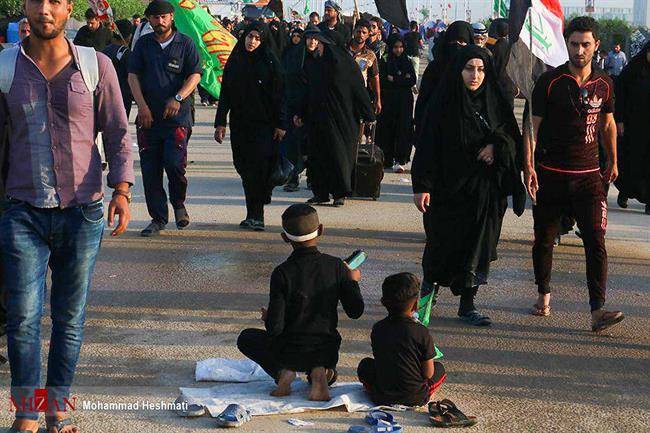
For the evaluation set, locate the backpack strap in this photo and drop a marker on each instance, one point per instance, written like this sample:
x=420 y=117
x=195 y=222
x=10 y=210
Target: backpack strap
x=8 y=58
x=89 y=66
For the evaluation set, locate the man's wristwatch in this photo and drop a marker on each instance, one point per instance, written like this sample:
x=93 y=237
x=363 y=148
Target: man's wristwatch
x=178 y=98
x=126 y=194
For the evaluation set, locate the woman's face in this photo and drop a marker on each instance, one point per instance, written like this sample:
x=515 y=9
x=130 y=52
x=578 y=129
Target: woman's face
x=312 y=44
x=398 y=48
x=253 y=41
x=473 y=74
x=295 y=39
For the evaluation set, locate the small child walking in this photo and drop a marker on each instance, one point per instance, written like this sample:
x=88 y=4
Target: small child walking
x=302 y=316
x=403 y=370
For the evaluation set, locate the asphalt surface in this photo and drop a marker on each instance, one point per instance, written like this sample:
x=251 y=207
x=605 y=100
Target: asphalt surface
x=158 y=305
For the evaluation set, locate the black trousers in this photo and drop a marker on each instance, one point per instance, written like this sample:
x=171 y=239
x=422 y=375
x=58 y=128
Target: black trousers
x=255 y=155
x=257 y=345
x=583 y=197
x=163 y=150
x=367 y=373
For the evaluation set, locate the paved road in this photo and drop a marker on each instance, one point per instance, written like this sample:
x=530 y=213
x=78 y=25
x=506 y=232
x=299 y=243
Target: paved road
x=158 y=305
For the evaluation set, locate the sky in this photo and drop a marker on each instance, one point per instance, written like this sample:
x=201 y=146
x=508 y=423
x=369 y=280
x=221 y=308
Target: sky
x=480 y=8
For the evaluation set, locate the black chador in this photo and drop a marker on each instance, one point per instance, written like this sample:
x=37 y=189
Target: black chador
x=395 y=124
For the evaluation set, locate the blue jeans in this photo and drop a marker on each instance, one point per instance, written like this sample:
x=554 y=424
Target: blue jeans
x=68 y=241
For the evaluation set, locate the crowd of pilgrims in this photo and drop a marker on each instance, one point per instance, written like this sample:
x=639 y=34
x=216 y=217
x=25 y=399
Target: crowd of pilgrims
x=305 y=93
x=312 y=96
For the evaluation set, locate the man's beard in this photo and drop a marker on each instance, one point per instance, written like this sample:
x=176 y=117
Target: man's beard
x=580 y=63
x=37 y=31
x=161 y=30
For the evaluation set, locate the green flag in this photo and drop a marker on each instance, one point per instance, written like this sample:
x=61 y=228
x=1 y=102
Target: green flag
x=213 y=42
x=306 y=11
x=499 y=9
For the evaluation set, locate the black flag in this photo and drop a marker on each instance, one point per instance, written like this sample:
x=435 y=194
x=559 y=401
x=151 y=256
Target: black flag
x=394 y=11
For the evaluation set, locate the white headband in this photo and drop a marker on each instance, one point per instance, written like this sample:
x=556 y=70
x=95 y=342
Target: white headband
x=303 y=238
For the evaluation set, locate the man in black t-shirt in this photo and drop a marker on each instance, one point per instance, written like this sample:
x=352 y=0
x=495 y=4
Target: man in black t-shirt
x=403 y=370
x=571 y=105
x=93 y=34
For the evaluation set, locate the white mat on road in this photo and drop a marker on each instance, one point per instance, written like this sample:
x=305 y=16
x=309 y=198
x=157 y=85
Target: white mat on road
x=254 y=395
x=229 y=370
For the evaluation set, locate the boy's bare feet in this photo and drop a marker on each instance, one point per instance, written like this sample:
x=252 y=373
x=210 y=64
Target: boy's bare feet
x=284 y=383
x=320 y=391
x=25 y=424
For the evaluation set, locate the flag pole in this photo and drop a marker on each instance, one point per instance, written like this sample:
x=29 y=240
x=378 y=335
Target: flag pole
x=531 y=133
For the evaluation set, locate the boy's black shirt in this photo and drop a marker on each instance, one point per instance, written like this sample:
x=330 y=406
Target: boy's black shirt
x=305 y=292
x=400 y=345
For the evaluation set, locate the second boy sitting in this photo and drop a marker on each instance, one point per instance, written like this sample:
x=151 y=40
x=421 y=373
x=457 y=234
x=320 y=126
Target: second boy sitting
x=302 y=315
x=403 y=370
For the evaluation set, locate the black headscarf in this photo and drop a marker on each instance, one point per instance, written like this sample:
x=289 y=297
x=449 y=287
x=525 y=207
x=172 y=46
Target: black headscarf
x=445 y=50
x=459 y=124
x=394 y=63
x=245 y=68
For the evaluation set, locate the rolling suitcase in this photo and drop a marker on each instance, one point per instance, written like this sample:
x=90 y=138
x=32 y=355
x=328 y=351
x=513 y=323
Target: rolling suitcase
x=369 y=168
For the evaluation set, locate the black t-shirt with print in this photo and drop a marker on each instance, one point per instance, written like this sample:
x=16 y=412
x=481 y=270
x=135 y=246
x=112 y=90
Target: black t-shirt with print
x=567 y=139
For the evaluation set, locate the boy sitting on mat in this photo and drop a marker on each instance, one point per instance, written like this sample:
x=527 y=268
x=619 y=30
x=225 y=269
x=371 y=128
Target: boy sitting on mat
x=302 y=315
x=403 y=370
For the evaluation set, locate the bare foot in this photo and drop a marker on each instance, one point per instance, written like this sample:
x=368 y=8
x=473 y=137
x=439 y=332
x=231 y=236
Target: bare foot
x=68 y=427
x=25 y=424
x=320 y=391
x=284 y=383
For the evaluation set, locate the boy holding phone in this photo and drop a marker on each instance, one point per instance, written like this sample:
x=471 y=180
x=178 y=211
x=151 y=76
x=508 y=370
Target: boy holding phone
x=302 y=315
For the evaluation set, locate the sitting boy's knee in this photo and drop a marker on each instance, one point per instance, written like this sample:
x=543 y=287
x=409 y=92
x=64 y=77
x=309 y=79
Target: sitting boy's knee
x=247 y=338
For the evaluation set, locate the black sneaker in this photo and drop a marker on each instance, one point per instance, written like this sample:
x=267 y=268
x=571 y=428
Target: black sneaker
x=647 y=209
x=182 y=218
x=318 y=200
x=338 y=202
x=257 y=225
x=246 y=224
x=621 y=201
x=473 y=317
x=152 y=229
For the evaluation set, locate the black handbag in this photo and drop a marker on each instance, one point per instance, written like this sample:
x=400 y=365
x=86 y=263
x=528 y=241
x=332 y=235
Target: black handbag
x=282 y=171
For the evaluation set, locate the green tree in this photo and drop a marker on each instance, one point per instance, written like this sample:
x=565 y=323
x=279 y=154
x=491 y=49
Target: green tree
x=614 y=31
x=121 y=8
x=11 y=8
x=425 y=12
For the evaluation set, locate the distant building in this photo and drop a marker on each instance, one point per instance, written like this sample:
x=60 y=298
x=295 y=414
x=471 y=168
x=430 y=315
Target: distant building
x=626 y=14
x=641 y=13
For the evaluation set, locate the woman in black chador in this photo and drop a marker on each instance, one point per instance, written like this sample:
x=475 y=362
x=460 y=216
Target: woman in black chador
x=252 y=91
x=395 y=124
x=336 y=101
x=467 y=161
x=632 y=115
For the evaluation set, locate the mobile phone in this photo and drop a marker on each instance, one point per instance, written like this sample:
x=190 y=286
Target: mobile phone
x=356 y=259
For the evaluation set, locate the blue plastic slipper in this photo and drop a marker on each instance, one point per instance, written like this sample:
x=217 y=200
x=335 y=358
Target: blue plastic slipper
x=376 y=415
x=233 y=416
x=381 y=427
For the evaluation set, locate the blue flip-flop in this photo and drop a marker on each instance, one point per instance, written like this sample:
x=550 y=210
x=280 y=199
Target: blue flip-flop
x=376 y=415
x=233 y=416
x=381 y=427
